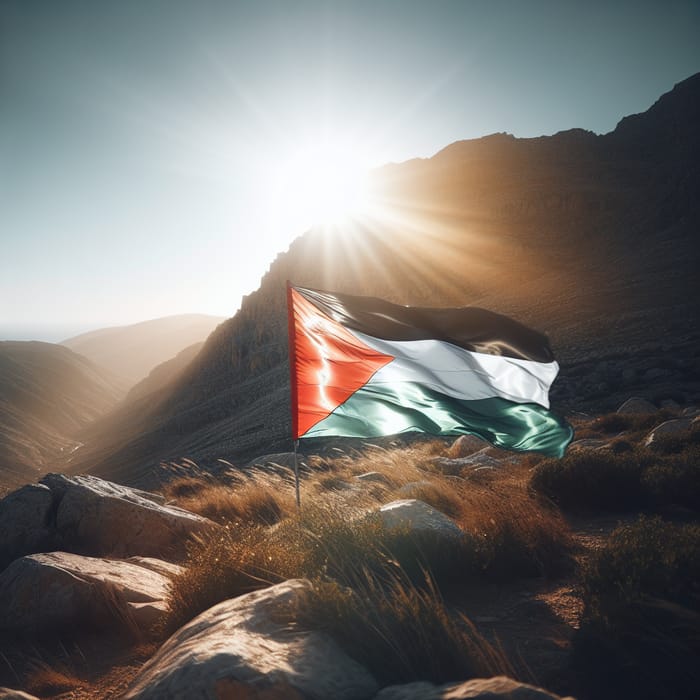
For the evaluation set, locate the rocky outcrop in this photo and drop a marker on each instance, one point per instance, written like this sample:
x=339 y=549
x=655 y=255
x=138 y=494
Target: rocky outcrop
x=88 y=515
x=498 y=688
x=246 y=647
x=66 y=591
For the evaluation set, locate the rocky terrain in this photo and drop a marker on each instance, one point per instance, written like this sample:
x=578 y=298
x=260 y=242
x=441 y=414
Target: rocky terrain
x=87 y=566
x=590 y=238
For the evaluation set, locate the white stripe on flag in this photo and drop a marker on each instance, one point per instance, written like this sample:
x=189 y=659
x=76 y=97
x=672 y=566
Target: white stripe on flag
x=461 y=373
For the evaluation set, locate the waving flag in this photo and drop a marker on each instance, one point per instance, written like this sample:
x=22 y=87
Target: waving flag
x=363 y=367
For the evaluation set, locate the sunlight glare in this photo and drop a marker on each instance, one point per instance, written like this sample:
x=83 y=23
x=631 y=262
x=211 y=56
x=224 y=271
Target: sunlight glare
x=324 y=184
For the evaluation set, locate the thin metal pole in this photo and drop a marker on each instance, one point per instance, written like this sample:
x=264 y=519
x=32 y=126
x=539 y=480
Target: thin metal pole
x=296 y=475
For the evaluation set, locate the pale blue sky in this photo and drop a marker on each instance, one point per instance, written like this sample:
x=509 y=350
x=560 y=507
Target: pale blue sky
x=138 y=138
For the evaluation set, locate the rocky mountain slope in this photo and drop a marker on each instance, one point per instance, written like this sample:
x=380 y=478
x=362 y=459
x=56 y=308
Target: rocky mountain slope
x=590 y=238
x=47 y=394
x=133 y=351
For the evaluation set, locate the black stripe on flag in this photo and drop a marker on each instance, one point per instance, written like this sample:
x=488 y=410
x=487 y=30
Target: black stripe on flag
x=471 y=328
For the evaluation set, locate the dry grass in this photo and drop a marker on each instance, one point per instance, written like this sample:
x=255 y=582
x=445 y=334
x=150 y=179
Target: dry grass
x=255 y=500
x=44 y=680
x=401 y=632
x=508 y=532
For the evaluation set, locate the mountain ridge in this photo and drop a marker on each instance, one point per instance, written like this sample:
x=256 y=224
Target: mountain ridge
x=133 y=350
x=590 y=238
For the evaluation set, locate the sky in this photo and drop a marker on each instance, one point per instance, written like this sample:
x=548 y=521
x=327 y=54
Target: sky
x=150 y=149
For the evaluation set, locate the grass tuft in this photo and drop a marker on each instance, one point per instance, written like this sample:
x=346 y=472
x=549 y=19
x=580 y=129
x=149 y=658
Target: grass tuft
x=401 y=632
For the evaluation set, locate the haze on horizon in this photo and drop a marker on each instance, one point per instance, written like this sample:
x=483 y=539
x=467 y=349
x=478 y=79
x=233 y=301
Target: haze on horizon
x=140 y=143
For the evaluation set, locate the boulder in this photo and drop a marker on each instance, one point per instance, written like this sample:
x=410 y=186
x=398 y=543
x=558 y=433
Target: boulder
x=101 y=518
x=465 y=445
x=638 y=405
x=246 y=648
x=417 y=517
x=497 y=688
x=25 y=522
x=59 y=590
x=677 y=426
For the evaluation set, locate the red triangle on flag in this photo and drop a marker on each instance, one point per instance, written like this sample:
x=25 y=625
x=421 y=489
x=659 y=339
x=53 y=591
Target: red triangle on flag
x=328 y=363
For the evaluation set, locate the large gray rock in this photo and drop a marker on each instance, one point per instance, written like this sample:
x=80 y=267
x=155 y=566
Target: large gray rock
x=677 y=426
x=59 y=590
x=637 y=405
x=92 y=516
x=497 y=688
x=417 y=517
x=247 y=648
x=101 y=518
x=25 y=522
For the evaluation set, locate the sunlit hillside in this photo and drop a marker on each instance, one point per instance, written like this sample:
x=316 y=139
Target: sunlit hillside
x=591 y=239
x=47 y=394
x=133 y=351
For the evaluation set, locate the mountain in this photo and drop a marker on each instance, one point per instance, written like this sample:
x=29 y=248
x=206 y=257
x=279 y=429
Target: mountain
x=590 y=238
x=47 y=394
x=133 y=351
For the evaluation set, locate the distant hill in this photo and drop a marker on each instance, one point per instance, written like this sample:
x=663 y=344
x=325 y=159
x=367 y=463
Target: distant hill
x=47 y=394
x=163 y=374
x=133 y=351
x=590 y=238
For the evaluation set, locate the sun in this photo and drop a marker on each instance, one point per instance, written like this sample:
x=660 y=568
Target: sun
x=321 y=184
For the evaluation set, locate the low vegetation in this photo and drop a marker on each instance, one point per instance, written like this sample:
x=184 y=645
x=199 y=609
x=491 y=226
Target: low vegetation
x=401 y=632
x=640 y=633
x=625 y=477
x=377 y=588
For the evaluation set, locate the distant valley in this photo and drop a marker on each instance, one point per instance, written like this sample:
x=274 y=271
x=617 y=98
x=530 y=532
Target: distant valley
x=49 y=393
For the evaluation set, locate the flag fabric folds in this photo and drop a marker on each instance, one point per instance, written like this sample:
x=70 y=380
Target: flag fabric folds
x=364 y=367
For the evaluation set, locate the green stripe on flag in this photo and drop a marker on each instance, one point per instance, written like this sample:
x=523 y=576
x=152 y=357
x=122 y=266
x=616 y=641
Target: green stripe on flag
x=382 y=409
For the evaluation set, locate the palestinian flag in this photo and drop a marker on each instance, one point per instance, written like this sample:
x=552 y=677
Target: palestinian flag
x=363 y=367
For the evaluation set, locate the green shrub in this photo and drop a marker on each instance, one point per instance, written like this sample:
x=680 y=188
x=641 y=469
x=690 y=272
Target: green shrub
x=591 y=480
x=625 y=477
x=640 y=632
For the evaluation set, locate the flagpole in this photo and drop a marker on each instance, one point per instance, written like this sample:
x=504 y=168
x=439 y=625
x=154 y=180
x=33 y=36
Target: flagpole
x=293 y=388
x=296 y=475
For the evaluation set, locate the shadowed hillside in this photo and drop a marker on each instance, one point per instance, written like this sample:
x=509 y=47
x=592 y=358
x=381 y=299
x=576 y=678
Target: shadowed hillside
x=47 y=393
x=133 y=351
x=592 y=239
